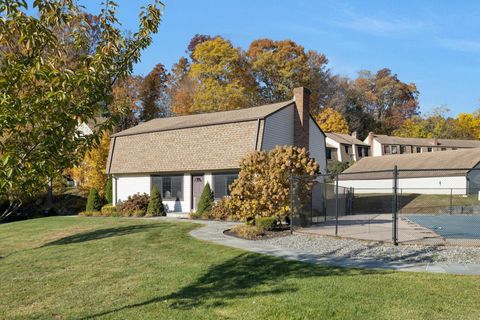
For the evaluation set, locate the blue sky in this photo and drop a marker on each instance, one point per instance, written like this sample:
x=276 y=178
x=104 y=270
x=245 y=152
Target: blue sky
x=435 y=44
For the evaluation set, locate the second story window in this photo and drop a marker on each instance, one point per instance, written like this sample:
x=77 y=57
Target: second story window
x=329 y=154
x=402 y=149
x=419 y=149
x=429 y=149
x=346 y=149
x=360 y=151
x=365 y=153
x=394 y=150
x=386 y=149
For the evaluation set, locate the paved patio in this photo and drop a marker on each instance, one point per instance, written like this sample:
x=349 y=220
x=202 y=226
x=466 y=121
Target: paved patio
x=378 y=227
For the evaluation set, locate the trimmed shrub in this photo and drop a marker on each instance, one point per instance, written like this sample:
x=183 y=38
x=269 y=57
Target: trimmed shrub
x=263 y=184
x=138 y=213
x=247 y=231
x=109 y=210
x=155 y=206
x=108 y=191
x=266 y=223
x=86 y=214
x=134 y=205
x=94 y=202
x=206 y=200
x=221 y=210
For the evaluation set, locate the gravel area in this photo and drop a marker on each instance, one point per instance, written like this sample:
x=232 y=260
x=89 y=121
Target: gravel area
x=362 y=250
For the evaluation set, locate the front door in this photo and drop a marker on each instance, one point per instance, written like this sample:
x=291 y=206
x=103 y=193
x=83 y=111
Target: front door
x=197 y=188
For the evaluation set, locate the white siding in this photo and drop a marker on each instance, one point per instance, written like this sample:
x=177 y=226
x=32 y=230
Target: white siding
x=337 y=145
x=377 y=149
x=130 y=185
x=436 y=185
x=278 y=129
x=317 y=146
x=127 y=185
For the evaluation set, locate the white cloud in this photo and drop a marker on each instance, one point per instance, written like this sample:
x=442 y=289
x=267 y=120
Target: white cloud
x=377 y=26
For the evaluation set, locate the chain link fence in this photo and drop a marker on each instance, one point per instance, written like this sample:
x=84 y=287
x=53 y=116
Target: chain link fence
x=428 y=206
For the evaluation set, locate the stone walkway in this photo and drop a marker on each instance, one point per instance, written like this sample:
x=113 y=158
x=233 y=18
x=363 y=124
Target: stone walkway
x=212 y=231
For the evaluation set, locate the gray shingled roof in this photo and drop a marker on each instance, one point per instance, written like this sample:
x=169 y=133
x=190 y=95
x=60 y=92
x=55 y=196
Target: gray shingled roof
x=205 y=119
x=210 y=141
x=427 y=142
x=345 y=138
x=431 y=164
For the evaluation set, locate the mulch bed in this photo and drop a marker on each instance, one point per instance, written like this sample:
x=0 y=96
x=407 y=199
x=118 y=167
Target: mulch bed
x=265 y=235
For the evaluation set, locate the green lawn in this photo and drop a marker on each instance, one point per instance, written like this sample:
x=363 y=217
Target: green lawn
x=89 y=268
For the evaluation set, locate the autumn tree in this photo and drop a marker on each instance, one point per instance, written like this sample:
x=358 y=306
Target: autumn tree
x=278 y=67
x=125 y=101
x=195 y=41
x=330 y=120
x=222 y=78
x=388 y=99
x=153 y=95
x=181 y=88
x=263 y=184
x=91 y=172
x=44 y=96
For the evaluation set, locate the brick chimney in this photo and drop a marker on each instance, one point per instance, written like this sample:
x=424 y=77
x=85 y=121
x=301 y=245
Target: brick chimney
x=301 y=121
x=371 y=137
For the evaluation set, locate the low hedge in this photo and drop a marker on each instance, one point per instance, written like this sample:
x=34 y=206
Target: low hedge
x=266 y=223
x=109 y=210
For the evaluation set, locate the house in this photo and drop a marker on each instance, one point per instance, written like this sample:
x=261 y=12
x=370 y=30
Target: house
x=453 y=171
x=181 y=154
x=345 y=148
x=383 y=145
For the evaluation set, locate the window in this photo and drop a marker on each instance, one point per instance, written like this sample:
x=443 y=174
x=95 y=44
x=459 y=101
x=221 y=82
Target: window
x=171 y=187
x=386 y=149
x=444 y=149
x=359 y=151
x=365 y=153
x=429 y=149
x=402 y=149
x=419 y=149
x=329 y=154
x=394 y=150
x=221 y=182
x=346 y=148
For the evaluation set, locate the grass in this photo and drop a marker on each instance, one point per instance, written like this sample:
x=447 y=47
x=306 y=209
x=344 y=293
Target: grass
x=107 y=268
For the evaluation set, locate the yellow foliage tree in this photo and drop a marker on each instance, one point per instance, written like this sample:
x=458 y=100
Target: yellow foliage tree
x=221 y=76
x=330 y=120
x=263 y=185
x=91 y=172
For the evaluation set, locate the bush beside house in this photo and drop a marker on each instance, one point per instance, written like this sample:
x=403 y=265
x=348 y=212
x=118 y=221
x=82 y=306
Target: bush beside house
x=155 y=206
x=94 y=202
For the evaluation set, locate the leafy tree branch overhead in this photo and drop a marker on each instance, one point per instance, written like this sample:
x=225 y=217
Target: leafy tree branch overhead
x=54 y=75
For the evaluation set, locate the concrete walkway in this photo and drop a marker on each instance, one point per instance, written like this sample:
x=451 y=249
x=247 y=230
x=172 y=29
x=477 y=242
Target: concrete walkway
x=212 y=231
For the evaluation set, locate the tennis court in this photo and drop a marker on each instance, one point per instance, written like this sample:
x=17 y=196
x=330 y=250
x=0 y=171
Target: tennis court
x=450 y=226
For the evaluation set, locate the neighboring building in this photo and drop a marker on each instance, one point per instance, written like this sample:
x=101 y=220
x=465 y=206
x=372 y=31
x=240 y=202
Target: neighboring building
x=383 y=145
x=92 y=125
x=345 y=148
x=180 y=154
x=432 y=173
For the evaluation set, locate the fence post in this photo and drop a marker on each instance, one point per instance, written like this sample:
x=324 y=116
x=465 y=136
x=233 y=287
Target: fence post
x=395 y=207
x=336 y=205
x=291 y=203
x=451 y=201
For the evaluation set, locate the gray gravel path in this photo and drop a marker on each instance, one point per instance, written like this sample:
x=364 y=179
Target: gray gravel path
x=362 y=250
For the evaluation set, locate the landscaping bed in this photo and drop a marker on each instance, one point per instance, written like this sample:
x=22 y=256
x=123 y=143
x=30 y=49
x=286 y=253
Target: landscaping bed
x=260 y=235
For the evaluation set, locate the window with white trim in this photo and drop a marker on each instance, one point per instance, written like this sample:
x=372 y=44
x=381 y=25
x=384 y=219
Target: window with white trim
x=171 y=187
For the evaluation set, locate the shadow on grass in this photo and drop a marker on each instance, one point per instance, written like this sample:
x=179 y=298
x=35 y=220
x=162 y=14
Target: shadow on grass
x=101 y=234
x=245 y=276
